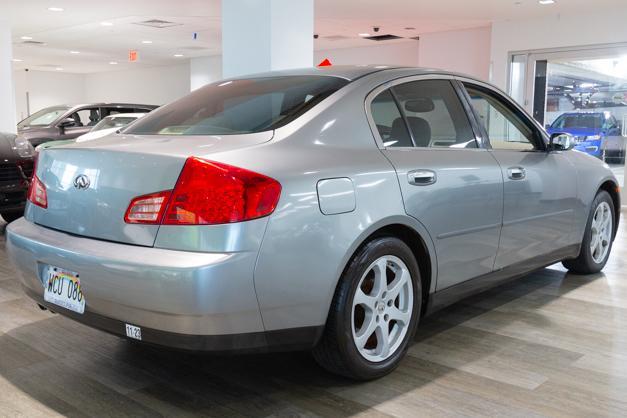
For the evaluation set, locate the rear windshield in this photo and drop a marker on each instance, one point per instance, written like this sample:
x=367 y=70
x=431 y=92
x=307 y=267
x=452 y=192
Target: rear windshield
x=239 y=106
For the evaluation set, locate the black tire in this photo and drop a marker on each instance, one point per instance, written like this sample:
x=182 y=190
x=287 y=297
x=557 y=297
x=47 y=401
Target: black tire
x=336 y=351
x=11 y=216
x=584 y=263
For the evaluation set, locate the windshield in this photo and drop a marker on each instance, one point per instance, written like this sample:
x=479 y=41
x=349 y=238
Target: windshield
x=44 y=117
x=582 y=121
x=113 y=122
x=239 y=106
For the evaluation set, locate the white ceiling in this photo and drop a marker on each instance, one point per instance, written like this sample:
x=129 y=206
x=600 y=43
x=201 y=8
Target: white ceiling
x=78 y=27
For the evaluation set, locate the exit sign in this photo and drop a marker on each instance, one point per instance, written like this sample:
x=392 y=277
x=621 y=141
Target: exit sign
x=132 y=55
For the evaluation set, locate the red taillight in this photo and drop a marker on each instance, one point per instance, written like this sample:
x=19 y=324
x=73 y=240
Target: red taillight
x=147 y=209
x=209 y=193
x=37 y=193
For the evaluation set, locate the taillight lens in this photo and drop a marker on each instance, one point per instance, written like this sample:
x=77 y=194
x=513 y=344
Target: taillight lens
x=37 y=193
x=147 y=209
x=208 y=193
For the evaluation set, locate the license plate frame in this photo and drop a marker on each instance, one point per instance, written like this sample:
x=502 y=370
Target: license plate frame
x=62 y=288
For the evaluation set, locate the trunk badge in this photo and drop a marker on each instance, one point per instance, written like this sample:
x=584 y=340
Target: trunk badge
x=82 y=182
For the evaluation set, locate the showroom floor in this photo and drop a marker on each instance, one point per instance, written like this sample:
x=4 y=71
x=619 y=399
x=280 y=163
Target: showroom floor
x=549 y=344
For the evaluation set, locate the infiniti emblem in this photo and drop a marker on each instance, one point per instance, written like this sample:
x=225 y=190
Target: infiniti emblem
x=82 y=182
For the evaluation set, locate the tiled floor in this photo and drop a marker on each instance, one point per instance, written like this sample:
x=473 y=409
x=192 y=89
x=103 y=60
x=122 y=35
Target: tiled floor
x=550 y=344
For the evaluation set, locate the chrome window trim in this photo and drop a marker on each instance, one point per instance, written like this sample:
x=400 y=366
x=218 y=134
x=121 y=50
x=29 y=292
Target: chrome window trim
x=481 y=143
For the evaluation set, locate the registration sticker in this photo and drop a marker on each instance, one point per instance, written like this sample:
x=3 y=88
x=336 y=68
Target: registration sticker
x=133 y=332
x=63 y=288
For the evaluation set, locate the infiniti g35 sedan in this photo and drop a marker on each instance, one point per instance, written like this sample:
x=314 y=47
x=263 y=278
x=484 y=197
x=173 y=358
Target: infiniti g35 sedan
x=324 y=209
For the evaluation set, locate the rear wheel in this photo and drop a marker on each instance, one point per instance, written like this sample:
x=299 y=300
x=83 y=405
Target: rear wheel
x=597 y=239
x=375 y=312
x=11 y=216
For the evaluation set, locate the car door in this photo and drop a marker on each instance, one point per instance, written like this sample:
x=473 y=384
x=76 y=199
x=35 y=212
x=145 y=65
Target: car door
x=449 y=182
x=540 y=187
x=84 y=119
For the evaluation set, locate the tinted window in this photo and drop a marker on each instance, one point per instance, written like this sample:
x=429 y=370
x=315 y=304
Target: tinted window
x=390 y=124
x=506 y=129
x=239 y=106
x=435 y=114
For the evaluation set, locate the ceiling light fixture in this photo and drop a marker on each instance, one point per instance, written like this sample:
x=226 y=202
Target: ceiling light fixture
x=75 y=52
x=26 y=38
x=546 y=2
x=179 y=55
x=113 y=62
x=146 y=42
x=364 y=35
x=106 y=23
x=59 y=69
x=56 y=9
x=17 y=60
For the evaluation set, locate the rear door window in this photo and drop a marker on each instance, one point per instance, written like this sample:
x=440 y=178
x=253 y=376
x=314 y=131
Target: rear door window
x=239 y=106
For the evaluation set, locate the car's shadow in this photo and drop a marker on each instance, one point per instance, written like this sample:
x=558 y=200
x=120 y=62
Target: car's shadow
x=75 y=370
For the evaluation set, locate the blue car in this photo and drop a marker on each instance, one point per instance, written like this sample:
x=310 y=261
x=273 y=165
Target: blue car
x=588 y=128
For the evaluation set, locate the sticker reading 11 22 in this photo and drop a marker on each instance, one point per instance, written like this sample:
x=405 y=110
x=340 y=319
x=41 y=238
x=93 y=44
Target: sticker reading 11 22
x=133 y=332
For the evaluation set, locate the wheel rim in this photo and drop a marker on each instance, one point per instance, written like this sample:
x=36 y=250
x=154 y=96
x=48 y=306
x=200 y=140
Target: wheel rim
x=601 y=229
x=382 y=308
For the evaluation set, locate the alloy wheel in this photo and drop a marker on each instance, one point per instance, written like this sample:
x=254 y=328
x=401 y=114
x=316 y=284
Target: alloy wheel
x=601 y=232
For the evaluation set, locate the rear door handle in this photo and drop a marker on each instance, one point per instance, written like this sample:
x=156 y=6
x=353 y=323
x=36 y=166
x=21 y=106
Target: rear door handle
x=516 y=173
x=421 y=177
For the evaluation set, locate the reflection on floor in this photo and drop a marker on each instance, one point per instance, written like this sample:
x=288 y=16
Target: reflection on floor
x=549 y=344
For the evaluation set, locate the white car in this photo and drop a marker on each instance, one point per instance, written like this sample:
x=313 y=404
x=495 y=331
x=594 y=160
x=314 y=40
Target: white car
x=109 y=125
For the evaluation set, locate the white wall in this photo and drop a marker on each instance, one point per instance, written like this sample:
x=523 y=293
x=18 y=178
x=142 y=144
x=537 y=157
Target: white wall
x=155 y=85
x=204 y=70
x=464 y=51
x=553 y=32
x=405 y=53
x=46 y=88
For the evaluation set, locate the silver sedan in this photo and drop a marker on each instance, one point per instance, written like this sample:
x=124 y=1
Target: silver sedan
x=324 y=209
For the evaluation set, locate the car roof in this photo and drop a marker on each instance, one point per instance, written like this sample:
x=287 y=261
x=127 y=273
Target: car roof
x=72 y=106
x=350 y=72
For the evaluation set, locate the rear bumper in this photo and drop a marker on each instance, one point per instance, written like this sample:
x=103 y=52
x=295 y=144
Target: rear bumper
x=200 y=301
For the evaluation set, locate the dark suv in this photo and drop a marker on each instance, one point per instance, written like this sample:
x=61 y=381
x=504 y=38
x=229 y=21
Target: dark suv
x=16 y=170
x=69 y=122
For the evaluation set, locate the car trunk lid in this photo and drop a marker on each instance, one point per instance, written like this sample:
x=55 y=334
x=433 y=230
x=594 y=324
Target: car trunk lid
x=117 y=169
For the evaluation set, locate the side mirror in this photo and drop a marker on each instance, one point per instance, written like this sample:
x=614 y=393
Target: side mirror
x=561 y=142
x=67 y=123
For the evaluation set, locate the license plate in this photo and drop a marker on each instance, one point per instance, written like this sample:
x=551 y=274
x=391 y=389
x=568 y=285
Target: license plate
x=133 y=332
x=63 y=288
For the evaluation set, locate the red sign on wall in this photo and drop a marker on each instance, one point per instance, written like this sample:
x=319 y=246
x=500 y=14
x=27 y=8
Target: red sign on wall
x=132 y=55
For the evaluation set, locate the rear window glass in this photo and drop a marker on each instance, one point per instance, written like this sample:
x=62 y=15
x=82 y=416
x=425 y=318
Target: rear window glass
x=239 y=106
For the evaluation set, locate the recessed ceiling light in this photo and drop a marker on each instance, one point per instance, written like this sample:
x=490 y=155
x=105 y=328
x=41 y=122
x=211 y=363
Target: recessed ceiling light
x=59 y=69
x=113 y=62
x=179 y=55
x=106 y=23
x=75 y=52
x=363 y=35
x=545 y=2
x=146 y=42
x=17 y=60
x=56 y=9
x=26 y=38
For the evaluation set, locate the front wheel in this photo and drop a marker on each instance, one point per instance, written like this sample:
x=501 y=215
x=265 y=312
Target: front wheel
x=597 y=239
x=374 y=313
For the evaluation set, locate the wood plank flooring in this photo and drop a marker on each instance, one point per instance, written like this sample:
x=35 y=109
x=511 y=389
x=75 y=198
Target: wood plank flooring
x=550 y=344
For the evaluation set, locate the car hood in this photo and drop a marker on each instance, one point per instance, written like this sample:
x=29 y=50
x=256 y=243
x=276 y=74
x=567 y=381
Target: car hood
x=6 y=148
x=576 y=131
x=32 y=132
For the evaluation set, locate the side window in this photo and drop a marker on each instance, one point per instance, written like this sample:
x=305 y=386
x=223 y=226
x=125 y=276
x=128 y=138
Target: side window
x=506 y=129
x=389 y=121
x=86 y=117
x=430 y=116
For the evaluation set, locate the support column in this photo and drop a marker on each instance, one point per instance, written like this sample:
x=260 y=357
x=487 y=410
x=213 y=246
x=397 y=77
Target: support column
x=7 y=95
x=266 y=35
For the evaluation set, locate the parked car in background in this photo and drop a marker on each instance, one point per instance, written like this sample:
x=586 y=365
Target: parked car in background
x=16 y=170
x=69 y=122
x=325 y=208
x=109 y=125
x=590 y=130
